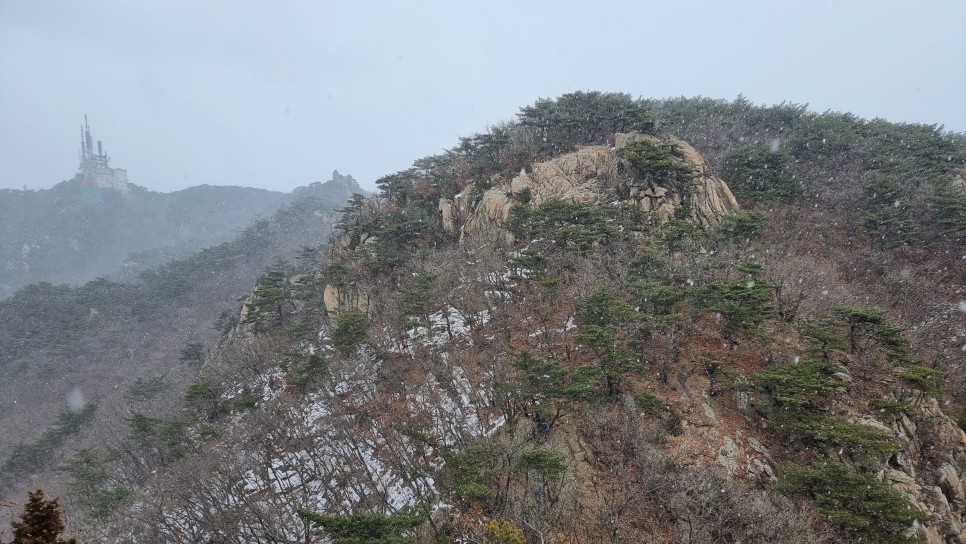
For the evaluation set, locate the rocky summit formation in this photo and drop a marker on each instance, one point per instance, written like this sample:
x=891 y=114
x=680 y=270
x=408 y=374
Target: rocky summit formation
x=590 y=176
x=594 y=176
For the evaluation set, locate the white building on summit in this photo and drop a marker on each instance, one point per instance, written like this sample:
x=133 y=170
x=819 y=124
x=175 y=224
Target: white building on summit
x=95 y=169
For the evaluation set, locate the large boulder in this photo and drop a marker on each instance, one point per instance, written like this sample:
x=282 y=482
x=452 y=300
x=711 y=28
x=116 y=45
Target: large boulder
x=587 y=176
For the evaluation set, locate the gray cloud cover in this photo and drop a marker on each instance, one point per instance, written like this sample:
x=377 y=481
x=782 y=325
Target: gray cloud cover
x=278 y=94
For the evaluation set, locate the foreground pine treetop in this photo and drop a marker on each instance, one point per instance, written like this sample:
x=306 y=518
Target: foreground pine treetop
x=40 y=523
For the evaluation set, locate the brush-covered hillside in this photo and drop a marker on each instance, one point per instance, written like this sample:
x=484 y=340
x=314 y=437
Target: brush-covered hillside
x=609 y=320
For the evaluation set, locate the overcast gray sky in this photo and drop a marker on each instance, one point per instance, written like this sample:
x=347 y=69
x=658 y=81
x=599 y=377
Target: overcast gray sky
x=278 y=94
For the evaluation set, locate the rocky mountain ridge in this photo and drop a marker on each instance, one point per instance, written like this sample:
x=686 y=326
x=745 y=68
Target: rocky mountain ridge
x=557 y=332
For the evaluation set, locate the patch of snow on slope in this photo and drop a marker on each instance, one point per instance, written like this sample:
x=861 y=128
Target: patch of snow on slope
x=446 y=325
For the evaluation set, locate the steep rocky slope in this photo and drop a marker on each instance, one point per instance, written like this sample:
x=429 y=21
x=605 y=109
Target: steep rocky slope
x=567 y=330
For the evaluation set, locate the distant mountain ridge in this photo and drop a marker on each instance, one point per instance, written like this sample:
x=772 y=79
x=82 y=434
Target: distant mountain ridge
x=72 y=233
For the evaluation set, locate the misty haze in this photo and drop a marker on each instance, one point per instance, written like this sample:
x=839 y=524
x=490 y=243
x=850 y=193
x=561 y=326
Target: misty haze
x=482 y=272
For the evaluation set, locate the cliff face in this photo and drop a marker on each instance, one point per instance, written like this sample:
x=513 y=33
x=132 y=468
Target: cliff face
x=931 y=468
x=928 y=468
x=344 y=298
x=959 y=182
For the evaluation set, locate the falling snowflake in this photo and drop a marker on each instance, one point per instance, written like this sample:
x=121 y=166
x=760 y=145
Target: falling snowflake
x=75 y=400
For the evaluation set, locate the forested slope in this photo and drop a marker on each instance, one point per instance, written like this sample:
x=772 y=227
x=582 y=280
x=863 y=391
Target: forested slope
x=76 y=361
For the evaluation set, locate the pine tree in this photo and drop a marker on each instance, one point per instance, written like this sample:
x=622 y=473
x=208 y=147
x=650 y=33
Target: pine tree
x=40 y=523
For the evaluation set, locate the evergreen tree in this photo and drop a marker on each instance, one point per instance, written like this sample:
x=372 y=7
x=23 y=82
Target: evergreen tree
x=350 y=330
x=580 y=118
x=949 y=203
x=416 y=301
x=271 y=296
x=761 y=174
x=41 y=522
x=396 y=528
